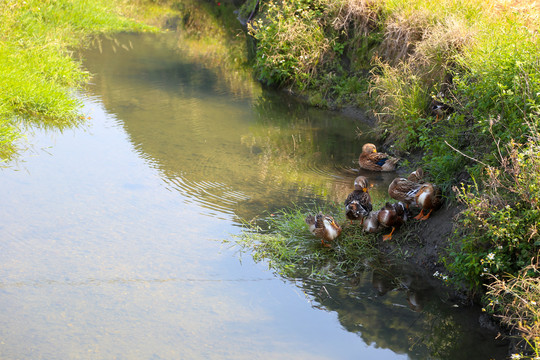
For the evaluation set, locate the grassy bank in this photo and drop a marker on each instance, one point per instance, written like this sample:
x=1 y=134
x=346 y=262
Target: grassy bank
x=38 y=75
x=290 y=251
x=399 y=59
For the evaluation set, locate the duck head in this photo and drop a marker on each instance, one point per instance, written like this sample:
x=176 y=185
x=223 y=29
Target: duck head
x=369 y=148
x=361 y=183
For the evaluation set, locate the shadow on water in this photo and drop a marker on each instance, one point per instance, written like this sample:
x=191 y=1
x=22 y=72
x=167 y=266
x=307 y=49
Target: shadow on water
x=241 y=154
x=398 y=308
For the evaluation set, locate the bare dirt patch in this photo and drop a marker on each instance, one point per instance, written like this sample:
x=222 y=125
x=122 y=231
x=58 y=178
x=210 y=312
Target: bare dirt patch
x=423 y=243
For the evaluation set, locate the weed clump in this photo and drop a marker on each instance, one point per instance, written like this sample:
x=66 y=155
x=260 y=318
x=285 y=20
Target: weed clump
x=514 y=299
x=284 y=242
x=290 y=42
x=500 y=222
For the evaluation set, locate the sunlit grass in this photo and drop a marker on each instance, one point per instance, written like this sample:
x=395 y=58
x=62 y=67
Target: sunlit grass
x=283 y=240
x=38 y=75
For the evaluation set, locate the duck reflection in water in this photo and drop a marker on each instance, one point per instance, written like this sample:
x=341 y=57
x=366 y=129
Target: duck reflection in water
x=415 y=291
x=382 y=283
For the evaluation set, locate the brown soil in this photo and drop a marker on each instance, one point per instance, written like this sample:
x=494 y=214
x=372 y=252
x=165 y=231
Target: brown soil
x=423 y=243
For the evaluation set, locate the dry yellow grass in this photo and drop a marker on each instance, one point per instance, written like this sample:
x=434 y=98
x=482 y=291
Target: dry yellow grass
x=529 y=10
x=403 y=32
x=361 y=15
x=521 y=296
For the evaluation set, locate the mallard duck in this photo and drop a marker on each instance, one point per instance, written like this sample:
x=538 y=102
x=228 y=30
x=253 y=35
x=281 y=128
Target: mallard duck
x=429 y=198
x=404 y=190
x=439 y=109
x=416 y=176
x=324 y=227
x=371 y=222
x=393 y=216
x=358 y=203
x=372 y=160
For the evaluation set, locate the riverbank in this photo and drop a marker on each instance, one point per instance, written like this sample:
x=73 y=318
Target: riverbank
x=455 y=83
x=400 y=60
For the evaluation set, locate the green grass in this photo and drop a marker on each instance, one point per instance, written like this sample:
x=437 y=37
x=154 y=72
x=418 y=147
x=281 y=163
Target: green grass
x=284 y=242
x=38 y=75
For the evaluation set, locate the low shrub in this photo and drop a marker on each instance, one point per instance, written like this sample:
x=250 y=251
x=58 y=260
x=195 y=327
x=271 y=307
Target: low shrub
x=515 y=300
x=291 y=43
x=499 y=233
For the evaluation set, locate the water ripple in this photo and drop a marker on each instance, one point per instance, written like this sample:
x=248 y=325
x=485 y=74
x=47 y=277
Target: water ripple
x=218 y=197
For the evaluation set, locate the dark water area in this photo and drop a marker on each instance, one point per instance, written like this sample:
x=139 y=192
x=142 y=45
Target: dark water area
x=112 y=234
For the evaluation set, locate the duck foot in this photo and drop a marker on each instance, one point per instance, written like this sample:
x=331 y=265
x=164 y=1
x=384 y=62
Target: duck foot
x=389 y=236
x=423 y=217
x=325 y=244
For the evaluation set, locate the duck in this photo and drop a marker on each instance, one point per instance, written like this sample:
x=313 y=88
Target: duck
x=393 y=216
x=404 y=190
x=372 y=160
x=428 y=198
x=416 y=176
x=358 y=203
x=439 y=109
x=324 y=227
x=371 y=222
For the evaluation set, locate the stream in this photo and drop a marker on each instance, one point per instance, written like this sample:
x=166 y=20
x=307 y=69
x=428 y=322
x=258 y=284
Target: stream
x=112 y=234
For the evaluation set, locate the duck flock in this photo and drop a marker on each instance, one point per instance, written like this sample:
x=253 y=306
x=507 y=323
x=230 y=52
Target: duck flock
x=408 y=192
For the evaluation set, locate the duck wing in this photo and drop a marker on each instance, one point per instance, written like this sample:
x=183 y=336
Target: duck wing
x=404 y=190
x=378 y=158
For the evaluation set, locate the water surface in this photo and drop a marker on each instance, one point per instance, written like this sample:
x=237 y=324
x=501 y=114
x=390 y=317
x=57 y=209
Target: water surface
x=111 y=234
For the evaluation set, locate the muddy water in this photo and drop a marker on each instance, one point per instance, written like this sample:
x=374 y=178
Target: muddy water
x=111 y=235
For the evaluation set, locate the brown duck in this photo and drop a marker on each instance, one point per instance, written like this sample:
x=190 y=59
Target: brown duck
x=324 y=227
x=404 y=190
x=358 y=203
x=416 y=176
x=428 y=198
x=371 y=222
x=372 y=160
x=392 y=216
